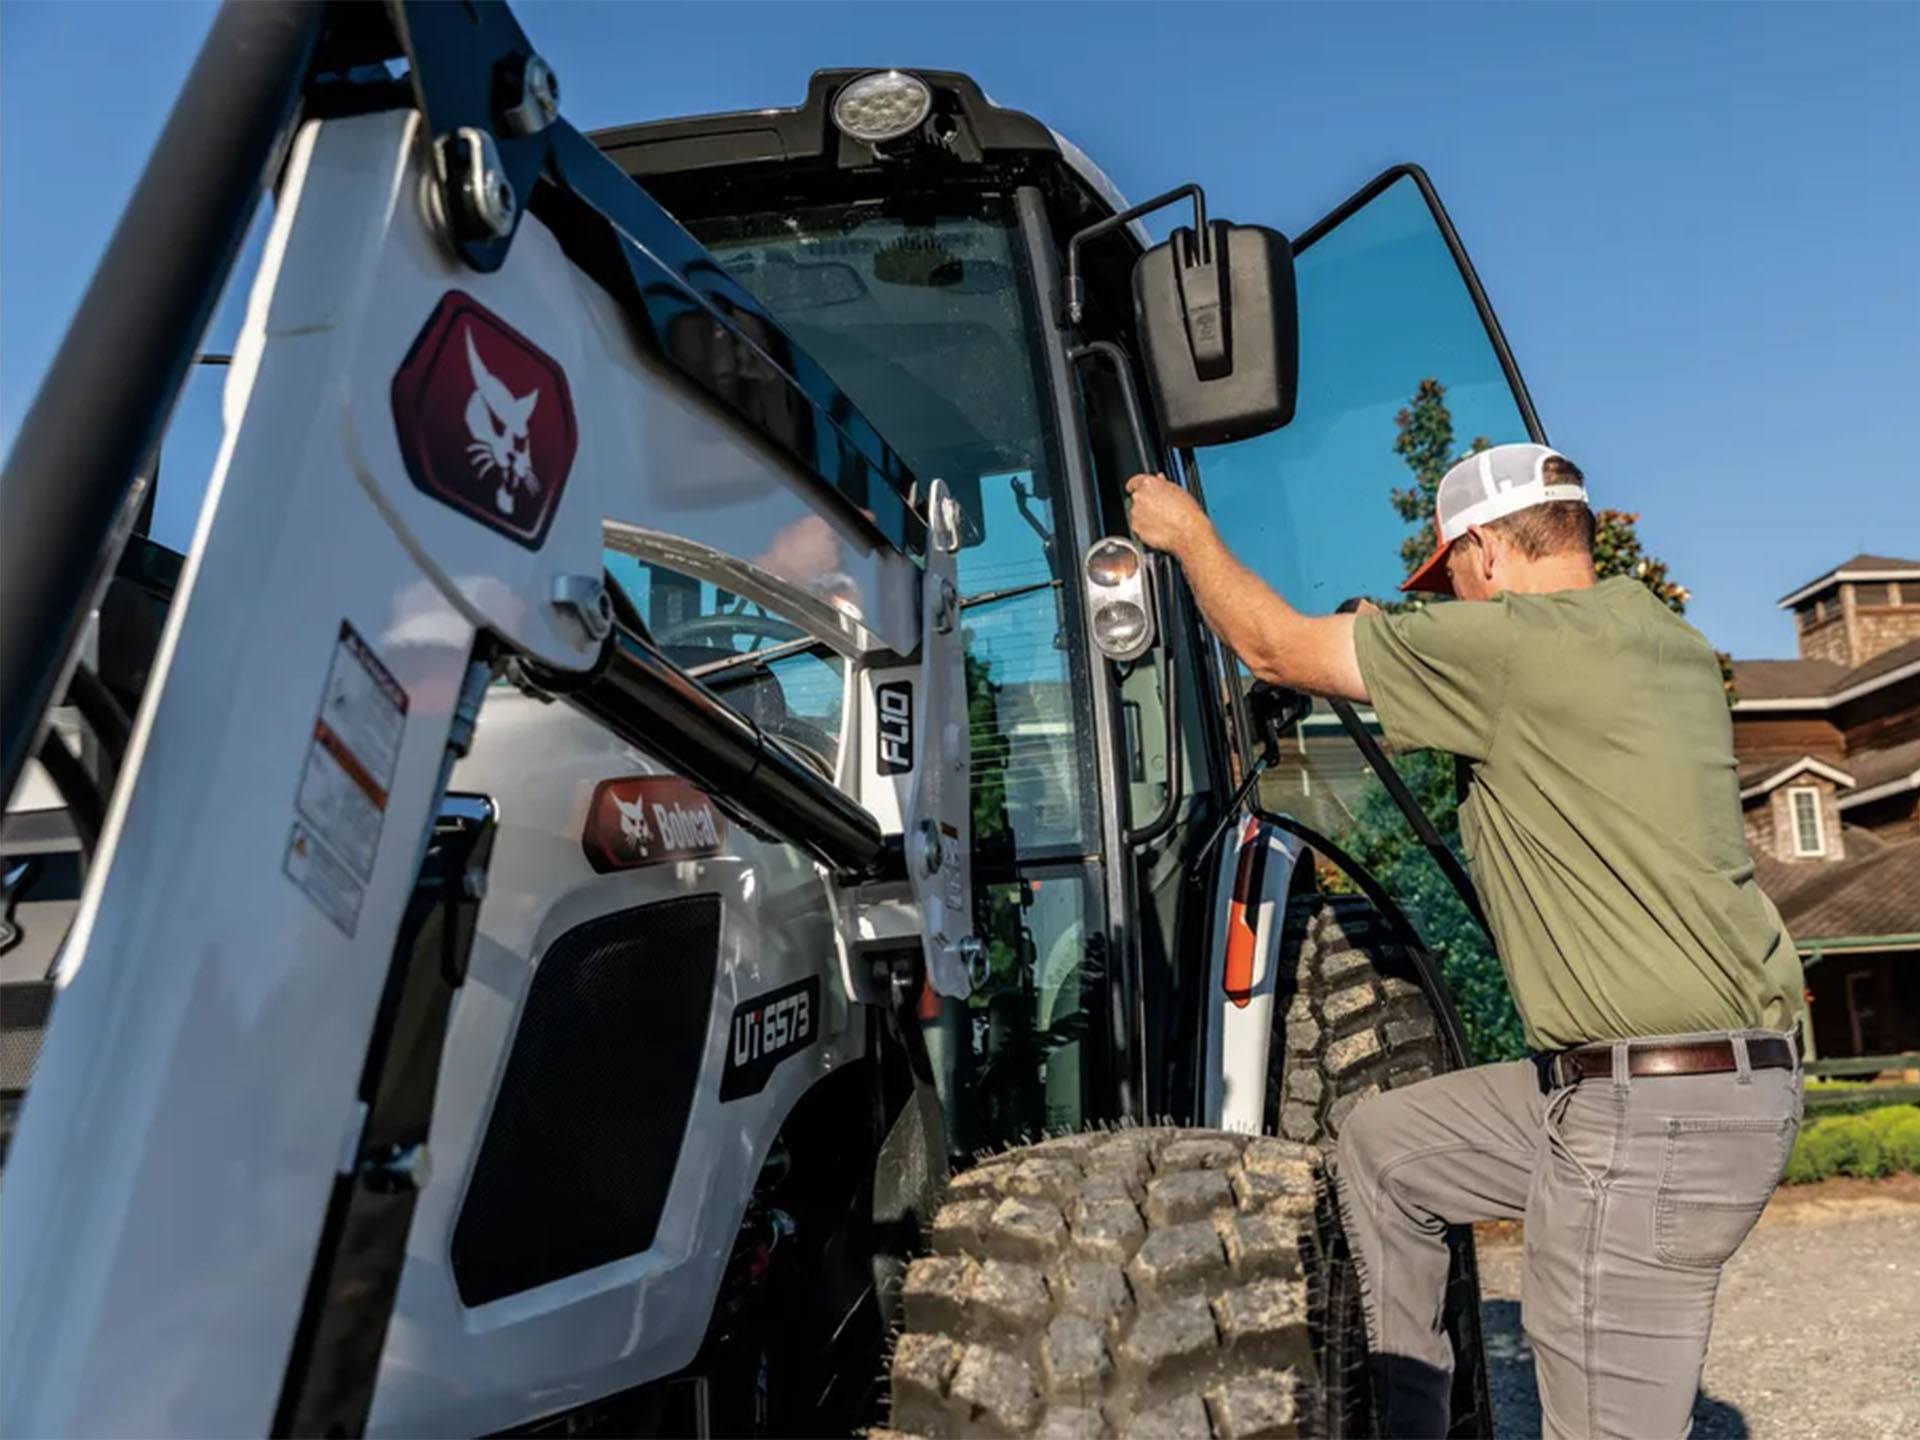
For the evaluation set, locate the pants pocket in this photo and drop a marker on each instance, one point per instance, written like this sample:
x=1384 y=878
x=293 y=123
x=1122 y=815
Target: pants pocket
x=1718 y=1176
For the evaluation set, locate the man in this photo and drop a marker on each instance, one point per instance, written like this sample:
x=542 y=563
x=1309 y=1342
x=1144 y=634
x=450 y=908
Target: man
x=1657 y=985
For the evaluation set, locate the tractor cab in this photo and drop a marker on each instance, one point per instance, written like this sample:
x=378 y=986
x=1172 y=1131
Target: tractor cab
x=980 y=289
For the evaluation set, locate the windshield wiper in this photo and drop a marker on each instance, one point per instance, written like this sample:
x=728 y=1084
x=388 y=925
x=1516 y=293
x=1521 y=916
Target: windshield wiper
x=770 y=653
x=987 y=597
x=765 y=655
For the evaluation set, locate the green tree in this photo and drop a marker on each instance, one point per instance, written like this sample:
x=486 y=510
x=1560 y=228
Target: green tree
x=1425 y=442
x=1380 y=837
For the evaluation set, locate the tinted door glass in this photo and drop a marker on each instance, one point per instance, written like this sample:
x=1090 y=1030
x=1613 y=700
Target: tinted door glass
x=1384 y=305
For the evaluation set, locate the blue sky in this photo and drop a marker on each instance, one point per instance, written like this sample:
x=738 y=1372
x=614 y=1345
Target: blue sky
x=1698 y=222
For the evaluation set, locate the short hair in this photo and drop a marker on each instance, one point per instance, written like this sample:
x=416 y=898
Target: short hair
x=1555 y=528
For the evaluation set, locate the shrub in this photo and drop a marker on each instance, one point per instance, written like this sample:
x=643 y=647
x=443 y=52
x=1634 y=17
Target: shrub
x=1902 y=1140
x=1804 y=1165
x=1870 y=1145
x=1889 y=1118
x=1847 y=1146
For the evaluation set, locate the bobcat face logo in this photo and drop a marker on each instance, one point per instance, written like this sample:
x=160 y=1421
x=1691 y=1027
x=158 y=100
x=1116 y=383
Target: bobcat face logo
x=638 y=820
x=633 y=824
x=485 y=420
x=498 y=420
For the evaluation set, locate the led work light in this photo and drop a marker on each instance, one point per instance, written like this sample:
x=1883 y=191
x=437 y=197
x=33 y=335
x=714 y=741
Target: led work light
x=882 y=106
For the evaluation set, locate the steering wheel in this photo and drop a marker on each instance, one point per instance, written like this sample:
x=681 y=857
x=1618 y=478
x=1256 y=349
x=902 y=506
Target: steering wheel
x=718 y=630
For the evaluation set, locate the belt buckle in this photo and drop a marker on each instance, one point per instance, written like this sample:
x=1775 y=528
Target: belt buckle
x=1556 y=1071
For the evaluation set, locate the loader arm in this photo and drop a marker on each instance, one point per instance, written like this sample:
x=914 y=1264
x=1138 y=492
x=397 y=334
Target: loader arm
x=474 y=346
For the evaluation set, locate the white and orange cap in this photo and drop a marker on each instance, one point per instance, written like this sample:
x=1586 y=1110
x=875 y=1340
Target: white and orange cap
x=1481 y=489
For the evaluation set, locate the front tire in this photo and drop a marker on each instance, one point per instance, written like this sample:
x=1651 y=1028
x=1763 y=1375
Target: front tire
x=1139 y=1282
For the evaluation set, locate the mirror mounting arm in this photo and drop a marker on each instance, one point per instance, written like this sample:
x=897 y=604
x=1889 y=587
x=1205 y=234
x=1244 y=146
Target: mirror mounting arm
x=1075 y=287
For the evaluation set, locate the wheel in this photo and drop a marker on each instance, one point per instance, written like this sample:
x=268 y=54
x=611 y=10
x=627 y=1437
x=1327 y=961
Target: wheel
x=1138 y=1282
x=1356 y=1023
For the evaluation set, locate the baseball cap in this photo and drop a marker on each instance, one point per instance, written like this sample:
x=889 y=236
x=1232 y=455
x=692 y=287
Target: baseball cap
x=1483 y=488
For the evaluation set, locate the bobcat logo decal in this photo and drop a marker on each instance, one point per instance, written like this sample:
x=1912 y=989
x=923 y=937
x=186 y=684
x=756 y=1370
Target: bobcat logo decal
x=498 y=419
x=485 y=420
x=633 y=823
x=635 y=820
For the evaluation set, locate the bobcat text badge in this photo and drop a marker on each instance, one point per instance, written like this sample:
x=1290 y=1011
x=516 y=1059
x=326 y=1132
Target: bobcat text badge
x=485 y=420
x=647 y=819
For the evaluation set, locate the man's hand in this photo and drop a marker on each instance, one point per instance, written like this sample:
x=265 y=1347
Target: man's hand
x=1165 y=516
x=1275 y=641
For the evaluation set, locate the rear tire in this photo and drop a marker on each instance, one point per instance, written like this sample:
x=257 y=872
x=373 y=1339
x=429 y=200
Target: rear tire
x=1356 y=1023
x=1139 y=1282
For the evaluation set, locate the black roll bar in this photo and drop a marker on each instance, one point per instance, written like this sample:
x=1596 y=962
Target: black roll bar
x=643 y=697
x=111 y=387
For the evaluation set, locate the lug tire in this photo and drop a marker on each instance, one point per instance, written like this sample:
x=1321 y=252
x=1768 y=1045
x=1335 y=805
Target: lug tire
x=1137 y=1282
x=1356 y=1022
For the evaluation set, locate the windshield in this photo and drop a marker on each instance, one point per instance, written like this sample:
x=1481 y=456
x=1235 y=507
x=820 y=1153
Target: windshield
x=924 y=315
x=920 y=319
x=924 y=319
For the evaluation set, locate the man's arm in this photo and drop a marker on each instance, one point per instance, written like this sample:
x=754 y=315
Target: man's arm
x=1276 y=642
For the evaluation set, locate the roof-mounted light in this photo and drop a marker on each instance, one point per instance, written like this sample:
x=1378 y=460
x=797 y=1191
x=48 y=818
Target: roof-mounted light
x=881 y=106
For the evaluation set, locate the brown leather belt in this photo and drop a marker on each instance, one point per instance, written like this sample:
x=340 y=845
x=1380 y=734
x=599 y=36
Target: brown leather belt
x=1686 y=1057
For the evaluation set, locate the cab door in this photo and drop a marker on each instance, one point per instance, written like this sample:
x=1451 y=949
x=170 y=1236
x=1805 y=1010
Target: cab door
x=1389 y=306
x=1403 y=369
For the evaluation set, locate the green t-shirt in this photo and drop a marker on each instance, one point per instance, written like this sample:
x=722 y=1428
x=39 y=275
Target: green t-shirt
x=1603 y=823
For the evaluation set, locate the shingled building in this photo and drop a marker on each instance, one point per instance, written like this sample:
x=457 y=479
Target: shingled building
x=1829 y=753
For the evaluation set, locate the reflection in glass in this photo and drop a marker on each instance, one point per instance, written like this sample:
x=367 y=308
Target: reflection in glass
x=798 y=697
x=1382 y=308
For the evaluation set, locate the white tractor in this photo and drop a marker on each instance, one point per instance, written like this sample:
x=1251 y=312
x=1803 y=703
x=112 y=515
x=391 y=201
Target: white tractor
x=662 y=864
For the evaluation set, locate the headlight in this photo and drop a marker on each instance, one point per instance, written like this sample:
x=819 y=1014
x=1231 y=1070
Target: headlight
x=1119 y=625
x=1112 y=562
x=882 y=106
x=1118 y=599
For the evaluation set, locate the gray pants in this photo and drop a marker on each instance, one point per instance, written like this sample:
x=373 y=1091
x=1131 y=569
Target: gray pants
x=1634 y=1192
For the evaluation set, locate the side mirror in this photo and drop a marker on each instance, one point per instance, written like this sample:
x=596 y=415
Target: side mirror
x=1217 y=320
x=1276 y=710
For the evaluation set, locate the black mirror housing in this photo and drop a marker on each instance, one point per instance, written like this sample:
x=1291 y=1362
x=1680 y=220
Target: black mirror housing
x=1221 y=330
x=1275 y=710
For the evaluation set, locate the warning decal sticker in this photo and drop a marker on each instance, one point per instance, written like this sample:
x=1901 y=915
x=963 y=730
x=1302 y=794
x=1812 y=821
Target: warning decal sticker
x=325 y=879
x=350 y=766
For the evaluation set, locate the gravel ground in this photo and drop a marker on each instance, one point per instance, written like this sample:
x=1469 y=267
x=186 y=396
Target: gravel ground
x=1816 y=1335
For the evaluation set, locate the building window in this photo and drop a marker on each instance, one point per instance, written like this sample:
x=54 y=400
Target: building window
x=1816 y=612
x=1877 y=593
x=1808 y=836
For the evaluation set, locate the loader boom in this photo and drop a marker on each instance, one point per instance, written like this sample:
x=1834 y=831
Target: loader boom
x=429 y=434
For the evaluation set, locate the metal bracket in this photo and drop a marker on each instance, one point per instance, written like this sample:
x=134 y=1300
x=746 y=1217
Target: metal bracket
x=585 y=598
x=939 y=829
x=489 y=101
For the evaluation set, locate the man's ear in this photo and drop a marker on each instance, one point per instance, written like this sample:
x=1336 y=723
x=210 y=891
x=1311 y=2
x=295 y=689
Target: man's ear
x=1485 y=556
